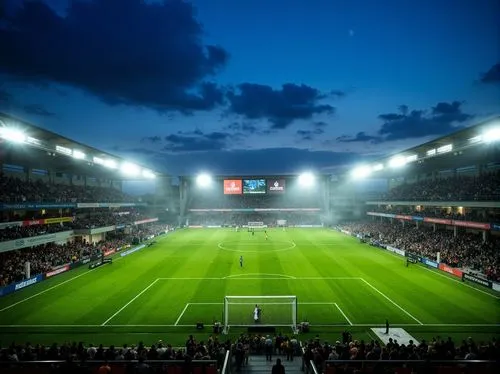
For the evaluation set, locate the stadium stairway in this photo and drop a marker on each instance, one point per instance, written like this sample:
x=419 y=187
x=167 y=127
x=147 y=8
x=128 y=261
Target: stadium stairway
x=258 y=364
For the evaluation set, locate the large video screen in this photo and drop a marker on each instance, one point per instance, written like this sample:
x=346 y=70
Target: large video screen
x=276 y=185
x=232 y=187
x=251 y=186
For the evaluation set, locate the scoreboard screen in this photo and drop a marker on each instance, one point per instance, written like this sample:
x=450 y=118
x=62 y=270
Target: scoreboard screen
x=254 y=186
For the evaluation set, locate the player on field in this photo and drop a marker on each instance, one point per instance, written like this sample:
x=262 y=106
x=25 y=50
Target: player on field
x=241 y=261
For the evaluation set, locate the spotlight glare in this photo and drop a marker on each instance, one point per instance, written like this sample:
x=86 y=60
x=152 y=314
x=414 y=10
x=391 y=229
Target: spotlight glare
x=306 y=179
x=203 y=180
x=13 y=135
x=361 y=172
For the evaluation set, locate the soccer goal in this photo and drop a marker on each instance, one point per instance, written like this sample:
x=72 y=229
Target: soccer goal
x=256 y=226
x=279 y=311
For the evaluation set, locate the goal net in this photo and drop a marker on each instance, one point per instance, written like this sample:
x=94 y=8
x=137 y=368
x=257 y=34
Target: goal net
x=256 y=226
x=244 y=311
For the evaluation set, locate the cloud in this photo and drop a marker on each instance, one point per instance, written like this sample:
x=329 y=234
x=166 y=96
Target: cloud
x=309 y=134
x=320 y=124
x=152 y=139
x=492 y=75
x=244 y=127
x=404 y=124
x=439 y=120
x=197 y=141
x=124 y=52
x=38 y=110
x=269 y=161
x=280 y=107
x=359 y=137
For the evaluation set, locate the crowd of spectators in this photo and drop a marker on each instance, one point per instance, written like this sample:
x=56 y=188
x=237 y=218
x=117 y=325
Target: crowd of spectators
x=18 y=232
x=474 y=215
x=46 y=257
x=484 y=187
x=285 y=200
x=435 y=349
x=14 y=190
x=466 y=250
x=269 y=219
x=210 y=349
x=80 y=221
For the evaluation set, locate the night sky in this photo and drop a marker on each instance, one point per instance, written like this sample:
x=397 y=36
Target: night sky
x=250 y=86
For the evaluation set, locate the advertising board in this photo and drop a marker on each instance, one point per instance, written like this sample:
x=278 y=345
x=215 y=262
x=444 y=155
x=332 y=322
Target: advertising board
x=232 y=187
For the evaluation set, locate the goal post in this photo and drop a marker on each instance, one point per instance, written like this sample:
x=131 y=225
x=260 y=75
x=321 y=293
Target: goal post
x=256 y=225
x=279 y=311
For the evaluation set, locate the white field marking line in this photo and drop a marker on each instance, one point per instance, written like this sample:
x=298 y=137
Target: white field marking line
x=182 y=313
x=130 y=302
x=249 y=277
x=391 y=301
x=51 y=288
x=47 y=290
x=319 y=325
x=457 y=281
x=342 y=312
x=264 y=303
x=259 y=274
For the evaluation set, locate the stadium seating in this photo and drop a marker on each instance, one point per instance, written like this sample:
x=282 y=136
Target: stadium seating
x=14 y=190
x=464 y=250
x=485 y=187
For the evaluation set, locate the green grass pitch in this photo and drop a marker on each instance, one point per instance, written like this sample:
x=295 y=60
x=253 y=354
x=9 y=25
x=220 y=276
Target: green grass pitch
x=162 y=291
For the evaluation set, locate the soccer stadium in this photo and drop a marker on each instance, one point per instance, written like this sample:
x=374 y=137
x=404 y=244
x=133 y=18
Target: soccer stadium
x=229 y=271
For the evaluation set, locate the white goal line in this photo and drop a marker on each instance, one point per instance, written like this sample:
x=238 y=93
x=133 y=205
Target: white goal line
x=311 y=324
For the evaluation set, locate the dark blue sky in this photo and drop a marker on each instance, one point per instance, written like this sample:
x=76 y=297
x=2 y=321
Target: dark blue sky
x=250 y=86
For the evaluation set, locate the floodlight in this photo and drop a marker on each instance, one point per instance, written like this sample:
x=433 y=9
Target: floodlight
x=78 y=154
x=397 y=161
x=306 y=179
x=445 y=148
x=203 y=180
x=431 y=152
x=130 y=169
x=475 y=139
x=492 y=135
x=64 y=150
x=361 y=172
x=378 y=167
x=98 y=160
x=110 y=164
x=148 y=174
x=13 y=135
x=411 y=158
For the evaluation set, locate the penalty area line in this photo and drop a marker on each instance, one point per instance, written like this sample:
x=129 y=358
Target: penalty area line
x=391 y=301
x=182 y=313
x=342 y=312
x=130 y=302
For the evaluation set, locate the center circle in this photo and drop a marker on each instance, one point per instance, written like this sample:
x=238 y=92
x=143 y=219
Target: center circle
x=230 y=246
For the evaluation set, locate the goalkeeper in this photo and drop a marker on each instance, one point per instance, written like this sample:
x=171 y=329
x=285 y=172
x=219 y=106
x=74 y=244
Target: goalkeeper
x=256 y=313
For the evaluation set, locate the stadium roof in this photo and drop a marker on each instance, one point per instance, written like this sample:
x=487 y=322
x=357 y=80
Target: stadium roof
x=41 y=149
x=467 y=147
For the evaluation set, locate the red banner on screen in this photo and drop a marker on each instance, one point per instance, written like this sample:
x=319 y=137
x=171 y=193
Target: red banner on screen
x=232 y=187
x=438 y=220
x=450 y=270
x=474 y=225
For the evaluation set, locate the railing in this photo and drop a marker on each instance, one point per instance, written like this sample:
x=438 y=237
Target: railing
x=120 y=367
x=226 y=367
x=413 y=366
